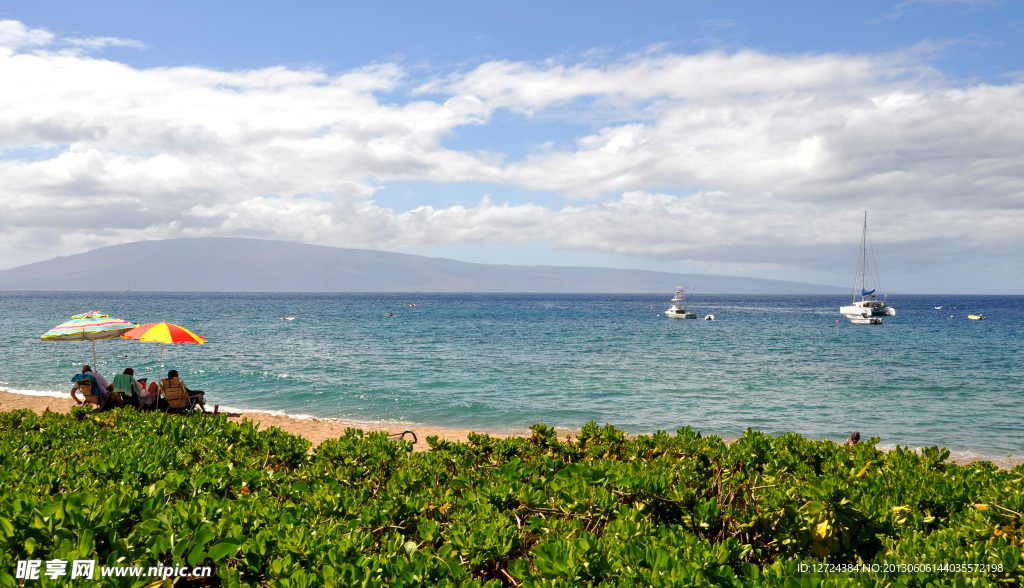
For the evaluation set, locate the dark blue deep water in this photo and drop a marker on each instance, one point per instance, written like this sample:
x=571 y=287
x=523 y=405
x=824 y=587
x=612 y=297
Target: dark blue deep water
x=501 y=362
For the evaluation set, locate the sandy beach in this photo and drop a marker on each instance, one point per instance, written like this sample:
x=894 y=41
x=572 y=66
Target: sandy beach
x=319 y=430
x=315 y=430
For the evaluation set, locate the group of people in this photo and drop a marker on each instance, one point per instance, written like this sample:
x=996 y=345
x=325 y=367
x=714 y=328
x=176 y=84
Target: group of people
x=126 y=390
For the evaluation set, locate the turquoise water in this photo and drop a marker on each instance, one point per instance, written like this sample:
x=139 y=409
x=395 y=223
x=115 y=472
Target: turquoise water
x=503 y=362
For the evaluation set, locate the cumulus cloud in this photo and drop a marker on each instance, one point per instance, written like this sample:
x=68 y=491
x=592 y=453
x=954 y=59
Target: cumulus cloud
x=15 y=35
x=743 y=159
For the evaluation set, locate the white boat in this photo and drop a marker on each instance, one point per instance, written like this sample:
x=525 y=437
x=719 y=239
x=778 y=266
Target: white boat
x=677 y=310
x=864 y=303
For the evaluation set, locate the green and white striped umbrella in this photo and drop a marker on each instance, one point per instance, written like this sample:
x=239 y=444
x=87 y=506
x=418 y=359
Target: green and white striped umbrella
x=89 y=326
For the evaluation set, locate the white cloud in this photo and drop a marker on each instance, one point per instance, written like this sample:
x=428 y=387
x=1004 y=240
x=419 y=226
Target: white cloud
x=907 y=5
x=15 y=35
x=741 y=160
x=527 y=87
x=97 y=43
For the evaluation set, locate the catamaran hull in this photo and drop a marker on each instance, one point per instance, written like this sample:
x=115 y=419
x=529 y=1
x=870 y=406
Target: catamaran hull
x=880 y=310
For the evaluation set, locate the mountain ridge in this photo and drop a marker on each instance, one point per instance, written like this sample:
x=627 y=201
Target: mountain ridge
x=232 y=264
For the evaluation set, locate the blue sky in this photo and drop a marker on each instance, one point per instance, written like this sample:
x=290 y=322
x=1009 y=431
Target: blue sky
x=730 y=137
x=985 y=38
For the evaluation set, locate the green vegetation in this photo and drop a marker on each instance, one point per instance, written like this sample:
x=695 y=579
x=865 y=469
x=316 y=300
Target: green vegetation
x=126 y=488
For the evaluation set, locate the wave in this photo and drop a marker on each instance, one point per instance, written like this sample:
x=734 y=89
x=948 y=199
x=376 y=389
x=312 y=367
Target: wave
x=46 y=393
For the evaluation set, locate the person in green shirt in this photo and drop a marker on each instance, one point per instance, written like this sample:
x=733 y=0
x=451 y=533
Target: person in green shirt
x=126 y=387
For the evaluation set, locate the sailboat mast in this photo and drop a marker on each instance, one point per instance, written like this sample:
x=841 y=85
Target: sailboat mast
x=858 y=282
x=864 y=256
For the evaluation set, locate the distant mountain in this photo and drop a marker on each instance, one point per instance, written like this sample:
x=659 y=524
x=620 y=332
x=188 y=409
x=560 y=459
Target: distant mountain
x=258 y=265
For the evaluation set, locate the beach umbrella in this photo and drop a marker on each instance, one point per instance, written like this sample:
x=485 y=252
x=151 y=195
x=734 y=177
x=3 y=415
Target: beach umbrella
x=165 y=334
x=89 y=326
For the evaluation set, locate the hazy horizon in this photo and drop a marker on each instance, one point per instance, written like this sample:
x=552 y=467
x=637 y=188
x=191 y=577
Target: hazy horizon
x=694 y=279
x=228 y=264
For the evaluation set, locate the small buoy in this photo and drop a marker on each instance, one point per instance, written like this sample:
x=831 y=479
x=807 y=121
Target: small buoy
x=951 y=316
x=837 y=320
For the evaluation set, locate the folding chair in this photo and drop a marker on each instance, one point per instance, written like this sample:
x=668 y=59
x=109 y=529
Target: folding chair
x=176 y=396
x=85 y=388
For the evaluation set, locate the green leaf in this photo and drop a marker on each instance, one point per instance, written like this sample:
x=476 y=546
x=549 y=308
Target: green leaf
x=813 y=507
x=196 y=555
x=204 y=535
x=223 y=549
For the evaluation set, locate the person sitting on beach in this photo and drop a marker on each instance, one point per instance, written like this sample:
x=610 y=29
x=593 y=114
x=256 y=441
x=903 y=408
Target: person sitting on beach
x=198 y=394
x=148 y=397
x=854 y=439
x=99 y=385
x=126 y=388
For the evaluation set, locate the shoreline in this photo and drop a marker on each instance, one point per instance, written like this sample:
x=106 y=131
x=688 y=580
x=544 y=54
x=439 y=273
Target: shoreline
x=317 y=430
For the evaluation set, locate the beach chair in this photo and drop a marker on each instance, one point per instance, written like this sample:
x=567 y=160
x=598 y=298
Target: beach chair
x=150 y=398
x=176 y=396
x=123 y=385
x=85 y=389
x=401 y=437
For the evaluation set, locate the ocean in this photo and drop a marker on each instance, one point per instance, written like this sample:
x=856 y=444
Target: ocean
x=502 y=362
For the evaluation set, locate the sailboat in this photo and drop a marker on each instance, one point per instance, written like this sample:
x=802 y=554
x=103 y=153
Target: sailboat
x=864 y=304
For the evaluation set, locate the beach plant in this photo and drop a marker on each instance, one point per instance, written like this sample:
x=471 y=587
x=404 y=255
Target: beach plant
x=264 y=508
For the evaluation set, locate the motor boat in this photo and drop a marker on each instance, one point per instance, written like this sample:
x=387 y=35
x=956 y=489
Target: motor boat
x=677 y=310
x=864 y=319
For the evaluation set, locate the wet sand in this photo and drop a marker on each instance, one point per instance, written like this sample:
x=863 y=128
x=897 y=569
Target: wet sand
x=319 y=430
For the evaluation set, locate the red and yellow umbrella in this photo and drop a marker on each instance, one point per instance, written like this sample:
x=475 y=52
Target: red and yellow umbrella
x=165 y=334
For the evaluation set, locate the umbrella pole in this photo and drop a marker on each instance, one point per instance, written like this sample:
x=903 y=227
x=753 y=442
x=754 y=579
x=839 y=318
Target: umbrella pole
x=94 y=366
x=161 y=372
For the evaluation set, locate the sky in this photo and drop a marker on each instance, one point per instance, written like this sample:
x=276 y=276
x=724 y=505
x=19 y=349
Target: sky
x=743 y=138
